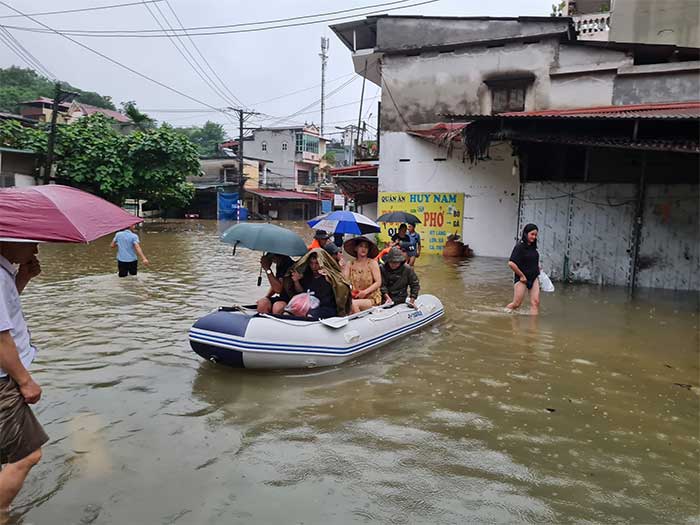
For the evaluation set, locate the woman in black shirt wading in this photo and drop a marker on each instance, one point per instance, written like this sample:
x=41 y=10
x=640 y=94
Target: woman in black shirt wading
x=525 y=263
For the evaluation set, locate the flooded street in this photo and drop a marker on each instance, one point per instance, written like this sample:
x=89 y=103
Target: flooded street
x=589 y=413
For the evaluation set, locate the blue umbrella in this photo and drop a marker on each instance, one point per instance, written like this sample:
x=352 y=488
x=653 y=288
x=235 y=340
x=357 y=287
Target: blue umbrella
x=265 y=238
x=344 y=222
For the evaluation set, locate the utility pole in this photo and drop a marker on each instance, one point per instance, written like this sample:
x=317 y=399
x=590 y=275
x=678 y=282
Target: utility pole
x=242 y=114
x=359 y=116
x=58 y=97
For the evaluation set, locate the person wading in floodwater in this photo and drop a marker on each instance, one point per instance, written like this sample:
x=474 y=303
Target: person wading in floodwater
x=525 y=263
x=128 y=247
x=21 y=434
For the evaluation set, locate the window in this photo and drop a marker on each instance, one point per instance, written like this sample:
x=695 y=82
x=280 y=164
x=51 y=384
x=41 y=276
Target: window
x=263 y=146
x=308 y=143
x=508 y=94
x=285 y=146
x=231 y=175
x=303 y=178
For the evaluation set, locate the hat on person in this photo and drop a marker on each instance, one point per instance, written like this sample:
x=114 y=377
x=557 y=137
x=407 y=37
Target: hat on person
x=331 y=248
x=351 y=246
x=321 y=234
x=395 y=255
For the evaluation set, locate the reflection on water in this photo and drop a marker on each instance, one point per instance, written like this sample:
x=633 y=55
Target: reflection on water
x=587 y=413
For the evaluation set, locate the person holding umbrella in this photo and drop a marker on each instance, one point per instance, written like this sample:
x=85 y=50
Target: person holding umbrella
x=21 y=434
x=321 y=238
x=51 y=213
x=276 y=298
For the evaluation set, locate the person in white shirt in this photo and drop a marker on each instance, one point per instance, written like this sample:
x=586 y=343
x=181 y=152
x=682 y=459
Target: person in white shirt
x=21 y=434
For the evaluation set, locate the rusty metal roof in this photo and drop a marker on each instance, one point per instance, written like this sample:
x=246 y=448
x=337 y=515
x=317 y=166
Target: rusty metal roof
x=284 y=195
x=669 y=110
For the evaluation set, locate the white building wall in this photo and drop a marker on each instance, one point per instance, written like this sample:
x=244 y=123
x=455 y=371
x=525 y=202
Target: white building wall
x=490 y=187
x=282 y=169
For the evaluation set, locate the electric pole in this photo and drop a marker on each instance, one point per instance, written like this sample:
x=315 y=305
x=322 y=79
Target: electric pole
x=242 y=117
x=58 y=97
x=325 y=42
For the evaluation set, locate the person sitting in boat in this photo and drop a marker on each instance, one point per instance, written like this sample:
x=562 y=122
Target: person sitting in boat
x=318 y=272
x=363 y=273
x=276 y=298
x=336 y=253
x=398 y=278
x=321 y=238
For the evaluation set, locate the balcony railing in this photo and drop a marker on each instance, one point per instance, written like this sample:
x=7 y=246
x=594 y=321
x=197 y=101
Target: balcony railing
x=594 y=26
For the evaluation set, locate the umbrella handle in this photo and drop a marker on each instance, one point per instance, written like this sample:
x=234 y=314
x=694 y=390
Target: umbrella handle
x=260 y=277
x=234 y=248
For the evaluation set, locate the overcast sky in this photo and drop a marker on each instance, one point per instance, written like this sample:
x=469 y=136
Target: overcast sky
x=255 y=66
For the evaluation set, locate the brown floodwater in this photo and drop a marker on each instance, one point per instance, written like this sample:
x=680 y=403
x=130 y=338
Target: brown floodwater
x=588 y=413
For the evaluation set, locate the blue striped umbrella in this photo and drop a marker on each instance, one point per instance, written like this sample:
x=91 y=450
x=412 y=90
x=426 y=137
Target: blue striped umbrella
x=344 y=222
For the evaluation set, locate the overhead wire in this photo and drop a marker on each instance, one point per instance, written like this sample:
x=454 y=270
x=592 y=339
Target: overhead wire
x=188 y=31
x=203 y=57
x=82 y=9
x=112 y=60
x=175 y=40
x=23 y=53
x=302 y=90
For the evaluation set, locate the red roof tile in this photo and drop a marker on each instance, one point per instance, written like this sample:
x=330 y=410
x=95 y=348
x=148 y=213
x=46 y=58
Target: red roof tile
x=91 y=110
x=357 y=168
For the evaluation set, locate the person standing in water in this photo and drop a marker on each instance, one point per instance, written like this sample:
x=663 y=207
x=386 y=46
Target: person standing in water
x=128 y=247
x=525 y=263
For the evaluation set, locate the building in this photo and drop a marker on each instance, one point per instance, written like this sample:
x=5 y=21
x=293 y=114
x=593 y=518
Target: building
x=358 y=183
x=296 y=152
x=482 y=108
x=219 y=175
x=18 y=167
x=40 y=110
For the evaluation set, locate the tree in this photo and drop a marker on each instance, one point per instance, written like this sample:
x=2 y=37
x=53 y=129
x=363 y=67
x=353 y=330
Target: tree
x=153 y=164
x=207 y=138
x=140 y=120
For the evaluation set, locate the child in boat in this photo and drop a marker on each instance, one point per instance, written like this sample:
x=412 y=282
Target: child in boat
x=398 y=278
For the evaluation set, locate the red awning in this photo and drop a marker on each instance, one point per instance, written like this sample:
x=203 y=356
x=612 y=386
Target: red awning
x=670 y=110
x=284 y=195
x=369 y=169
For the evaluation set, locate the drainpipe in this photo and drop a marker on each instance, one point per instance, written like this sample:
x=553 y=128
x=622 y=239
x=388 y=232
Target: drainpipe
x=638 y=221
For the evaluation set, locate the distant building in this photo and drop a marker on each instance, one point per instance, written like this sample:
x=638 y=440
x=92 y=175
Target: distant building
x=18 y=167
x=41 y=109
x=296 y=153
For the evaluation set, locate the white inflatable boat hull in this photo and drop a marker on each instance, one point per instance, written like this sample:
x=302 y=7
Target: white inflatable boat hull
x=246 y=340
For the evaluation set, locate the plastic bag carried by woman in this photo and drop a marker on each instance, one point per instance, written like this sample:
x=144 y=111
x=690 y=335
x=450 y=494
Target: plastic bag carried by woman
x=301 y=304
x=546 y=284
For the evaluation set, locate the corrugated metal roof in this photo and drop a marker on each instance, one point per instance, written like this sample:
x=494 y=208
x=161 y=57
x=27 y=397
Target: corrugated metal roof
x=675 y=110
x=357 y=168
x=284 y=195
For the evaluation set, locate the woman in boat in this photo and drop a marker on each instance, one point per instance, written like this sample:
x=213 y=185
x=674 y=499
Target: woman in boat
x=525 y=263
x=318 y=272
x=363 y=273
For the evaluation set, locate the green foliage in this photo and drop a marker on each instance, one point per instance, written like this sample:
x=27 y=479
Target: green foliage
x=558 y=9
x=152 y=164
x=329 y=157
x=207 y=138
x=19 y=85
x=140 y=120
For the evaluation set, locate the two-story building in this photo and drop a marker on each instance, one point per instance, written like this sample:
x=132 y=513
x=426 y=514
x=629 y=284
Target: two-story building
x=520 y=119
x=296 y=152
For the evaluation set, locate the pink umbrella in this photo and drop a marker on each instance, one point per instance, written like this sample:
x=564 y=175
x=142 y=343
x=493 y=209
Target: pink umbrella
x=55 y=213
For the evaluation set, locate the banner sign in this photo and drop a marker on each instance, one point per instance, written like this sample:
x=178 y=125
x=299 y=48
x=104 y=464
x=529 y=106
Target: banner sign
x=440 y=215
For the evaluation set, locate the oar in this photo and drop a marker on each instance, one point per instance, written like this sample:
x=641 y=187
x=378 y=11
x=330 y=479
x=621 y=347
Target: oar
x=334 y=322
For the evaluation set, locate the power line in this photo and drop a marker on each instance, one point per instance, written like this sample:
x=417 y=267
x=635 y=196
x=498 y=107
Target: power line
x=302 y=90
x=203 y=57
x=190 y=61
x=147 y=33
x=112 y=60
x=22 y=52
x=97 y=8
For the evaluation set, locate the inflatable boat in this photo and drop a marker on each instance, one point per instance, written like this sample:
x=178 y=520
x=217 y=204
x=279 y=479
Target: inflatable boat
x=242 y=338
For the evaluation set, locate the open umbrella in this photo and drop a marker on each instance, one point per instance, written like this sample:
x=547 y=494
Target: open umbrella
x=344 y=222
x=56 y=213
x=265 y=238
x=399 y=216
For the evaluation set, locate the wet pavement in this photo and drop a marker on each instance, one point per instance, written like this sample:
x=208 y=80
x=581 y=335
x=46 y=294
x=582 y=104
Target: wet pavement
x=587 y=413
